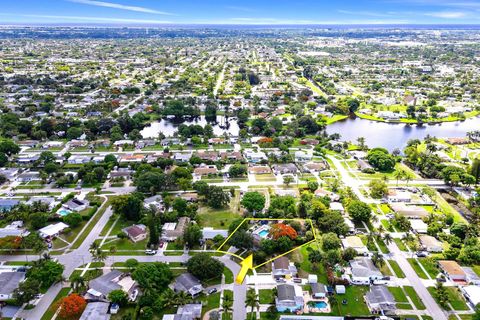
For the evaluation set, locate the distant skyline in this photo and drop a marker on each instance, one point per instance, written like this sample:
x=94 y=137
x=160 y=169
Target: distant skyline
x=246 y=12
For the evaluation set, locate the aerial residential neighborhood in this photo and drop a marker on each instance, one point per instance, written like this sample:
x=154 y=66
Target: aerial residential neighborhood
x=238 y=172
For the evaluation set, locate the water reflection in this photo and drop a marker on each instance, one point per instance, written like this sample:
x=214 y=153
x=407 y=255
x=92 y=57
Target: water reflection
x=396 y=135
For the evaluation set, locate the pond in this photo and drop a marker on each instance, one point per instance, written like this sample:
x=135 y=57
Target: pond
x=168 y=127
x=396 y=135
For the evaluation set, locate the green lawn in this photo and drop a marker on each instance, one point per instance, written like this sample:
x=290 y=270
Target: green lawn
x=301 y=256
x=416 y=266
x=125 y=244
x=355 y=304
x=266 y=296
x=396 y=268
x=454 y=297
x=400 y=244
x=385 y=270
x=430 y=266
x=211 y=301
x=228 y=275
x=415 y=298
x=398 y=294
x=217 y=219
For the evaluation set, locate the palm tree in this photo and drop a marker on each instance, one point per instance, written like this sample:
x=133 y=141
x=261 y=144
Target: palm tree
x=399 y=174
x=252 y=301
x=77 y=282
x=377 y=259
x=99 y=255
x=94 y=246
x=113 y=250
x=387 y=238
x=369 y=239
x=227 y=304
x=182 y=298
x=380 y=229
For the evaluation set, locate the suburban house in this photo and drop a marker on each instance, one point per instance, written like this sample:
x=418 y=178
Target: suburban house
x=289 y=298
x=114 y=280
x=337 y=206
x=52 y=230
x=188 y=283
x=205 y=170
x=319 y=290
x=14 y=229
x=189 y=311
x=409 y=211
x=259 y=170
x=313 y=167
x=96 y=310
x=9 y=281
x=210 y=233
x=356 y=243
x=395 y=195
x=50 y=201
x=76 y=205
x=418 y=226
x=320 y=192
x=471 y=294
x=284 y=168
x=472 y=277
x=380 y=300
x=172 y=231
x=452 y=270
x=29 y=176
x=8 y=204
x=255 y=157
x=301 y=156
x=136 y=232
x=283 y=268
x=156 y=201
x=430 y=244
x=363 y=271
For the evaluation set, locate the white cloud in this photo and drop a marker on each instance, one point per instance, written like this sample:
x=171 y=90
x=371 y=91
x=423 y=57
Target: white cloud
x=88 y=19
x=119 y=6
x=365 y=13
x=447 y=14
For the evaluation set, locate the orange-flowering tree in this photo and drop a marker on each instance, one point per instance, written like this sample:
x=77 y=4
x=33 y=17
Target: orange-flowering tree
x=71 y=307
x=281 y=230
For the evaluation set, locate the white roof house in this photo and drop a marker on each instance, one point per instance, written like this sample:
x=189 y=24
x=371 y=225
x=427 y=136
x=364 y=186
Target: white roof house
x=418 y=225
x=472 y=294
x=337 y=206
x=52 y=229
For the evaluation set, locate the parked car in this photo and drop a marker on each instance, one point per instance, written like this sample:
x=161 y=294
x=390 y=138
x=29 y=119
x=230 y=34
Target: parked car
x=150 y=252
x=422 y=254
x=212 y=291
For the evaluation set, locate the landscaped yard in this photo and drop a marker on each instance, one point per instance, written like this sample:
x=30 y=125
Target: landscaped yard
x=355 y=304
x=266 y=296
x=454 y=297
x=414 y=297
x=430 y=266
x=400 y=298
x=217 y=219
x=416 y=266
x=396 y=268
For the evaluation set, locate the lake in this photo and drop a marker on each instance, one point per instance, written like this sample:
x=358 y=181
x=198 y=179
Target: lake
x=168 y=127
x=396 y=135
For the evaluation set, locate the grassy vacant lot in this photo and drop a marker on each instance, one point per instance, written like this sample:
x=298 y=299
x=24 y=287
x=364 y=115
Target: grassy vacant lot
x=228 y=275
x=266 y=296
x=217 y=219
x=396 y=268
x=301 y=256
x=430 y=266
x=415 y=298
x=400 y=298
x=416 y=266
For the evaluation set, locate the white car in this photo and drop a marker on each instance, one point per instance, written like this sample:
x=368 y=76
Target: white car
x=150 y=252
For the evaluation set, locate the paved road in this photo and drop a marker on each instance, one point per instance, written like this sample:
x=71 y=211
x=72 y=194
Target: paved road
x=432 y=307
x=81 y=256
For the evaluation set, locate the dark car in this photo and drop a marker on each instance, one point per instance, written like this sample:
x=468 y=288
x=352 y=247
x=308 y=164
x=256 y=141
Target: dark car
x=212 y=291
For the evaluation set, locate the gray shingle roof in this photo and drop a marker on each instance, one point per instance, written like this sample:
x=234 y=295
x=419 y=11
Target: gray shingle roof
x=9 y=281
x=104 y=284
x=96 y=311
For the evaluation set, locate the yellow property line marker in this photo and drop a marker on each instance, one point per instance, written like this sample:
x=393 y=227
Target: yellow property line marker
x=247 y=263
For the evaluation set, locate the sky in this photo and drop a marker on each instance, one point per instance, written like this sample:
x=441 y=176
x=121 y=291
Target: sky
x=268 y=12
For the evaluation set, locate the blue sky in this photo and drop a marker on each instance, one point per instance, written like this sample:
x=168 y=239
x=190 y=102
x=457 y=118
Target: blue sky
x=240 y=12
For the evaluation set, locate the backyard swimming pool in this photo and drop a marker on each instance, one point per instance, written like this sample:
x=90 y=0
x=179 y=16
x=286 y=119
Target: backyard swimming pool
x=263 y=233
x=320 y=304
x=63 y=212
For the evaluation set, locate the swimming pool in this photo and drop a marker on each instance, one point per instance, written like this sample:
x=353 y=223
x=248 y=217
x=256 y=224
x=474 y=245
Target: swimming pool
x=263 y=233
x=63 y=212
x=320 y=304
